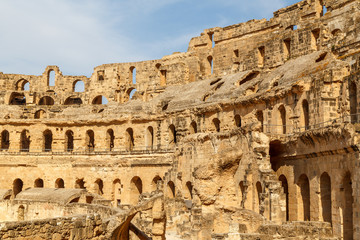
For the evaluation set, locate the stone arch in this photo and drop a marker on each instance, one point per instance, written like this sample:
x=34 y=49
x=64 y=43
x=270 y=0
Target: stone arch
x=237 y=120
x=17 y=99
x=129 y=138
x=39 y=114
x=303 y=198
x=135 y=190
x=258 y=197
x=22 y=85
x=172 y=135
x=116 y=192
x=193 y=127
x=110 y=138
x=73 y=101
x=25 y=141
x=130 y=93
x=132 y=74
x=78 y=86
x=347 y=207
x=149 y=138
x=242 y=194
x=155 y=182
x=90 y=140
x=210 y=65
x=285 y=186
x=162 y=73
x=39 y=183
x=80 y=183
x=216 y=123
x=59 y=183
x=336 y=32
x=5 y=140
x=306 y=114
x=325 y=194
x=188 y=192
x=47 y=141
x=353 y=102
x=282 y=117
x=99 y=100
x=171 y=190
x=69 y=141
x=46 y=100
x=17 y=186
x=51 y=76
x=99 y=186
x=260 y=118
x=21 y=213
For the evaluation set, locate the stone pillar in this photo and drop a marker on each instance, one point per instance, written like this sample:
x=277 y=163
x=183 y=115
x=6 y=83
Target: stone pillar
x=159 y=220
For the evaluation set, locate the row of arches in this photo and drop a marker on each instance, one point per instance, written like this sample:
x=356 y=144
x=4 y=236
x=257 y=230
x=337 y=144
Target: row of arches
x=136 y=187
x=305 y=205
x=24 y=85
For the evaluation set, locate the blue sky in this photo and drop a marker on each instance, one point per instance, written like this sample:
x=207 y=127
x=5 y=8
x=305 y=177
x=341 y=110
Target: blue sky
x=79 y=35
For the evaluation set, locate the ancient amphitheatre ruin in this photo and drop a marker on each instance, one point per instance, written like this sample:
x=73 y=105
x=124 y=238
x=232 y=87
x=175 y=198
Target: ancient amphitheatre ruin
x=250 y=134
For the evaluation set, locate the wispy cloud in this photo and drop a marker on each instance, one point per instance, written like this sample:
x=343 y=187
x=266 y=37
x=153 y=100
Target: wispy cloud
x=79 y=35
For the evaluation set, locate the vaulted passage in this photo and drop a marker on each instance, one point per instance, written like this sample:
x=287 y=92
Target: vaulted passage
x=171 y=190
x=90 y=140
x=47 y=141
x=172 y=135
x=5 y=140
x=282 y=113
x=305 y=107
x=110 y=137
x=347 y=208
x=99 y=186
x=25 y=141
x=149 y=138
x=69 y=141
x=304 y=198
x=130 y=142
x=325 y=191
x=59 y=183
x=135 y=190
x=285 y=186
x=39 y=183
x=17 y=186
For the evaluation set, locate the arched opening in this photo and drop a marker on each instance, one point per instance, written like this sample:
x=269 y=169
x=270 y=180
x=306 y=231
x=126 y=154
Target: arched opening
x=99 y=186
x=130 y=142
x=98 y=100
x=258 y=197
x=116 y=191
x=353 y=102
x=237 y=120
x=21 y=213
x=282 y=113
x=285 y=186
x=216 y=123
x=5 y=140
x=51 y=78
x=242 y=194
x=287 y=48
x=46 y=101
x=193 y=127
x=69 y=141
x=22 y=85
x=154 y=183
x=315 y=36
x=17 y=186
x=171 y=190
x=59 y=183
x=90 y=140
x=17 y=99
x=110 y=137
x=47 y=141
x=135 y=190
x=304 y=198
x=260 y=118
x=78 y=86
x=80 y=184
x=325 y=191
x=130 y=93
x=24 y=141
x=39 y=114
x=210 y=67
x=132 y=76
x=162 y=74
x=172 y=135
x=336 y=32
x=39 y=183
x=188 y=192
x=261 y=56
x=305 y=107
x=347 y=208
x=73 y=101
x=149 y=138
